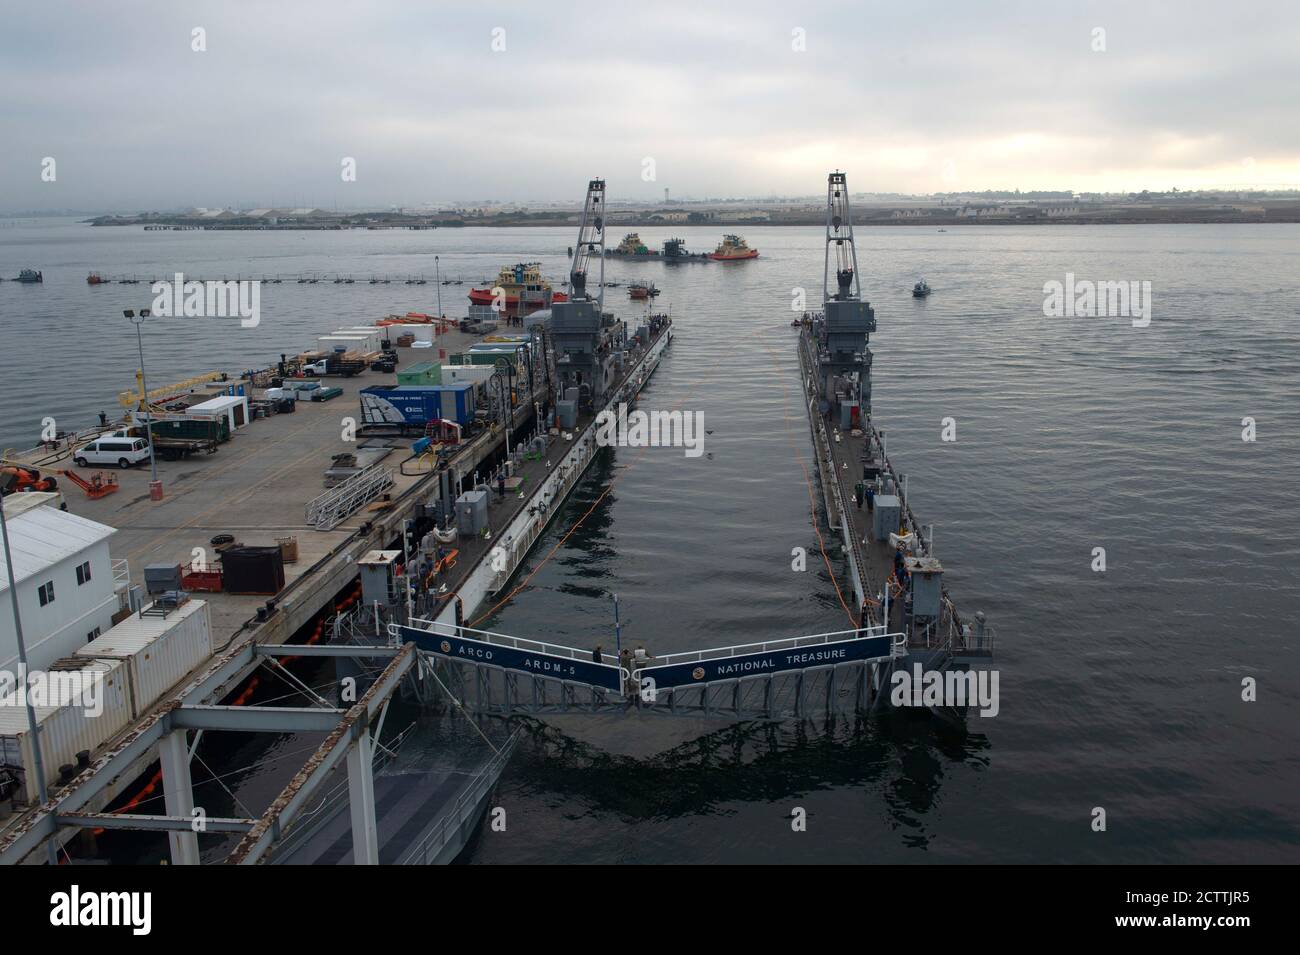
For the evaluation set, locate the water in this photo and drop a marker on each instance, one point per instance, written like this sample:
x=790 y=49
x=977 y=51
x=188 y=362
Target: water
x=1120 y=689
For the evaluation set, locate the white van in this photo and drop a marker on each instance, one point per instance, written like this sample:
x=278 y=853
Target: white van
x=123 y=452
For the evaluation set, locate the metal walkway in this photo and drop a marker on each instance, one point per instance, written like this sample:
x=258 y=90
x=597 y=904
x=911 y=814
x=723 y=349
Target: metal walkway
x=336 y=505
x=502 y=675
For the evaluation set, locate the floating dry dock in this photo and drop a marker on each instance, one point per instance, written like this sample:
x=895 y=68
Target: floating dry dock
x=897 y=580
x=261 y=487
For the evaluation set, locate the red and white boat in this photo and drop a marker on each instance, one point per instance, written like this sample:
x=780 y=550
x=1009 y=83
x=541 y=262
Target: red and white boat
x=523 y=287
x=732 y=247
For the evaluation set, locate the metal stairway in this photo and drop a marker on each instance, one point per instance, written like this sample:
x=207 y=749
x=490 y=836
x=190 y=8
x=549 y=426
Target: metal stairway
x=335 y=506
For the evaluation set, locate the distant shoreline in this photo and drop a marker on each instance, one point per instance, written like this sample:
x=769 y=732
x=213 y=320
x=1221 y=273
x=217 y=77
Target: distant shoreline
x=945 y=222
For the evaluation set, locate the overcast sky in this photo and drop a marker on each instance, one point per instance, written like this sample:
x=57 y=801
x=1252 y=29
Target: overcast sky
x=905 y=96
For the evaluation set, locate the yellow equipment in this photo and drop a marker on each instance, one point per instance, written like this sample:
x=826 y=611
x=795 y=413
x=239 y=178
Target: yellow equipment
x=135 y=399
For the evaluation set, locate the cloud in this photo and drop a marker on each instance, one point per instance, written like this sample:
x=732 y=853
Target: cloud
x=912 y=97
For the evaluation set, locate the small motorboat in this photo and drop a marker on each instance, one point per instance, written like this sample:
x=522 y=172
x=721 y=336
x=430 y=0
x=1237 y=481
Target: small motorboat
x=921 y=289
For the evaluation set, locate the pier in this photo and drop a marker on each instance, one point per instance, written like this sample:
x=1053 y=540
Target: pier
x=258 y=488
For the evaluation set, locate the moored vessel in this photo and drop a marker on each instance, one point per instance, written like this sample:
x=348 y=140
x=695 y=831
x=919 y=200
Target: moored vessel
x=522 y=289
x=632 y=247
x=733 y=247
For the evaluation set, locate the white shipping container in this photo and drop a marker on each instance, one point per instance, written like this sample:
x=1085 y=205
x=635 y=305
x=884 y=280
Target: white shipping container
x=371 y=337
x=377 y=333
x=158 y=651
x=346 y=342
x=452 y=374
x=69 y=729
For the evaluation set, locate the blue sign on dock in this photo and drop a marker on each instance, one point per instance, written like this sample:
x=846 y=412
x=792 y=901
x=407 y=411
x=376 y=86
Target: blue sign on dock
x=532 y=662
x=769 y=661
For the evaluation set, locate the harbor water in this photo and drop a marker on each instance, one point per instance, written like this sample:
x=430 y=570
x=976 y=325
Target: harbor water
x=1119 y=689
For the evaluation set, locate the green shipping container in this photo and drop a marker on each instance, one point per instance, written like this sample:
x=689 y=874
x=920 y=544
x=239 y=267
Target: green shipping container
x=485 y=358
x=203 y=429
x=425 y=373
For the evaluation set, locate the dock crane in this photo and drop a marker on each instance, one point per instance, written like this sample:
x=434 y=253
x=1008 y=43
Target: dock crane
x=843 y=350
x=839 y=235
x=591 y=242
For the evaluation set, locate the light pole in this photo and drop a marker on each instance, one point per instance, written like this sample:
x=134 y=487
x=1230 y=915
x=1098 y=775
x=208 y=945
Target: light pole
x=507 y=409
x=155 y=485
x=437 y=278
x=38 y=760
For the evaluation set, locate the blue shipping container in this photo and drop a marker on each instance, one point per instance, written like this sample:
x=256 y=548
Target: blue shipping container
x=418 y=404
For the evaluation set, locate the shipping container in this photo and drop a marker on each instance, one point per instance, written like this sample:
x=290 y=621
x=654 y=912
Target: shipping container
x=68 y=729
x=158 y=651
x=454 y=374
x=252 y=570
x=418 y=404
x=421 y=373
x=346 y=343
x=193 y=428
x=487 y=358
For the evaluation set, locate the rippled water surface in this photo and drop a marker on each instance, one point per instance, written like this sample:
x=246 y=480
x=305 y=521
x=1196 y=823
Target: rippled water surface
x=1119 y=689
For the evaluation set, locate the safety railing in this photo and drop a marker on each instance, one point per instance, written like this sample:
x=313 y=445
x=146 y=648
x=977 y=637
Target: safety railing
x=786 y=643
x=488 y=636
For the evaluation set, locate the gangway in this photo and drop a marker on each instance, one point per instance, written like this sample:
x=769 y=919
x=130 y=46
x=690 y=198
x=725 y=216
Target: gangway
x=332 y=508
x=503 y=675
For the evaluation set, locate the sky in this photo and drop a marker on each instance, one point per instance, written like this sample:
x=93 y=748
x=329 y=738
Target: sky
x=465 y=102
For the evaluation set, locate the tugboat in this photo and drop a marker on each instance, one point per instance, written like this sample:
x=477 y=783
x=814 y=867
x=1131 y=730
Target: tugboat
x=642 y=290
x=920 y=289
x=94 y=278
x=632 y=248
x=731 y=248
x=524 y=288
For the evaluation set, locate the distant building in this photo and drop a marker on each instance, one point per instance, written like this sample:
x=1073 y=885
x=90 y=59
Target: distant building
x=68 y=586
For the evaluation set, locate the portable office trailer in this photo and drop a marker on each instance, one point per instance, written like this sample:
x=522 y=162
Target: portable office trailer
x=71 y=726
x=158 y=651
x=234 y=408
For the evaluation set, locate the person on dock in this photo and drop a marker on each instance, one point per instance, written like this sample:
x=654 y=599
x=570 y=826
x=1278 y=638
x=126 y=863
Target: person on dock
x=871 y=498
x=596 y=655
x=501 y=483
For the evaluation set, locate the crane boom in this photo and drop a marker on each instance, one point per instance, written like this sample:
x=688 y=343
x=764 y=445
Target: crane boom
x=591 y=240
x=839 y=235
